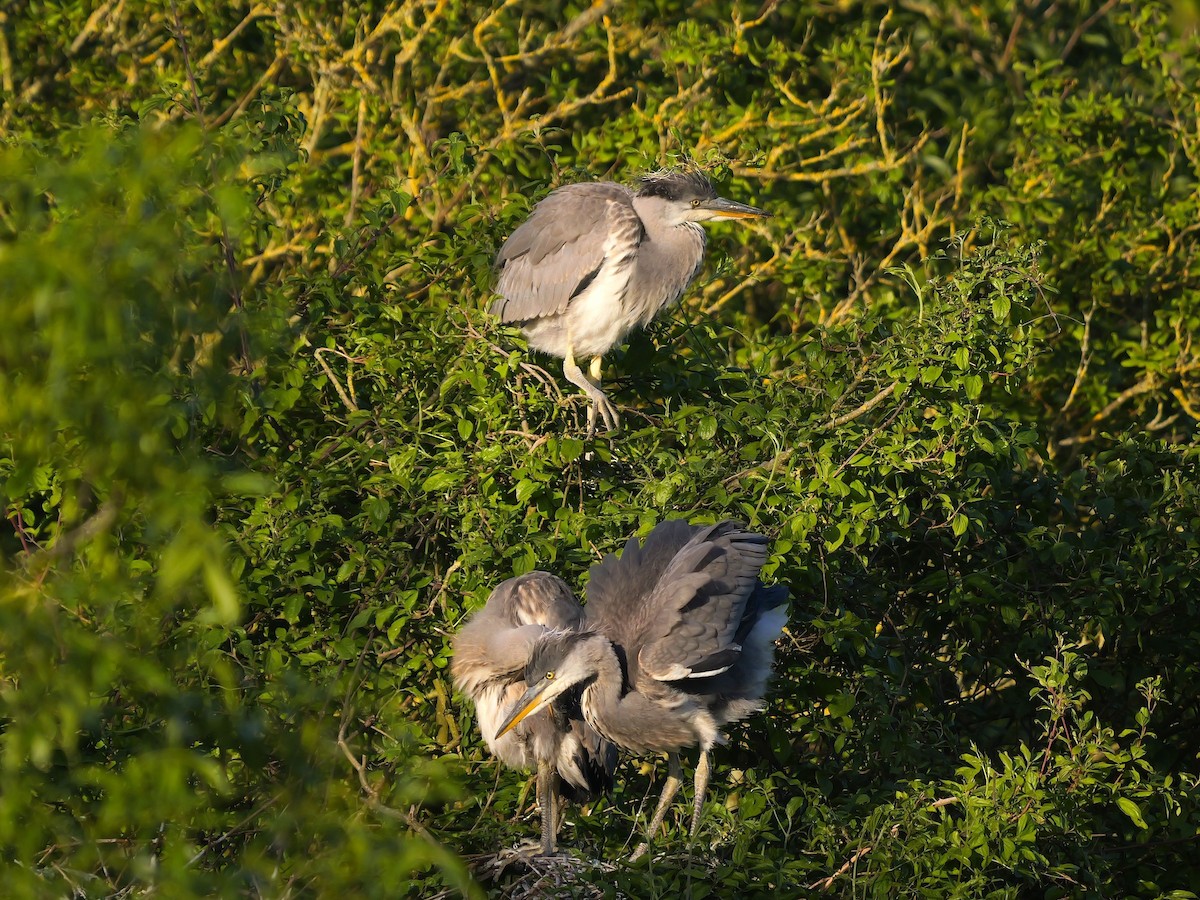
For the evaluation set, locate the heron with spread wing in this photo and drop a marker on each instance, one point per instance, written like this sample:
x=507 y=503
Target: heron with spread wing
x=490 y=655
x=677 y=641
x=595 y=260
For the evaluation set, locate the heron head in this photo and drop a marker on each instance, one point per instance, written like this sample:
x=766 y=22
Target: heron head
x=559 y=662
x=690 y=197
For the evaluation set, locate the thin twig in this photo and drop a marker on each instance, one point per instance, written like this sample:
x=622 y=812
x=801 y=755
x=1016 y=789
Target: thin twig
x=864 y=408
x=825 y=884
x=1085 y=26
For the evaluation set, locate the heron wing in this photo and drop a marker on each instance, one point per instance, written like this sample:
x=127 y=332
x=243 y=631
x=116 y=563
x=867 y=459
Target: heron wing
x=489 y=655
x=677 y=603
x=620 y=586
x=495 y=644
x=559 y=249
x=539 y=598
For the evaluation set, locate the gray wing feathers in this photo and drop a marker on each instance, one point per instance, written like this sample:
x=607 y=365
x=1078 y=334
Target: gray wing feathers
x=560 y=248
x=618 y=588
x=539 y=598
x=739 y=691
x=484 y=654
x=707 y=588
x=495 y=644
x=678 y=604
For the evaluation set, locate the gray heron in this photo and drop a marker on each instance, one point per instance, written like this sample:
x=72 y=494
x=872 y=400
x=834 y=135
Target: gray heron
x=677 y=641
x=490 y=655
x=595 y=260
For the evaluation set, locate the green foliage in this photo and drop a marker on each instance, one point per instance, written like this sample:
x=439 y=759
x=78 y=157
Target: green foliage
x=261 y=449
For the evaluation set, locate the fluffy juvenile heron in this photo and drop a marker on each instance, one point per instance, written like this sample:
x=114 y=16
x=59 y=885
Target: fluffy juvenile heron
x=594 y=261
x=490 y=655
x=678 y=640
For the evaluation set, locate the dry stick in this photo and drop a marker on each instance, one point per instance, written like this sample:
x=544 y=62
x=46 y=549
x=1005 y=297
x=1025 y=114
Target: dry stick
x=18 y=525
x=99 y=521
x=830 y=174
x=1084 y=356
x=959 y=170
x=1184 y=402
x=871 y=435
x=514 y=125
x=1084 y=26
x=255 y=89
x=909 y=236
x=356 y=168
x=750 y=278
x=6 y=66
x=409 y=51
x=36 y=86
x=219 y=46
x=879 y=64
x=598 y=10
x=864 y=408
x=347 y=399
x=212 y=845
x=1148 y=383
x=198 y=108
x=1011 y=44
x=853 y=386
x=763 y=13
x=90 y=27
x=317 y=114
x=825 y=884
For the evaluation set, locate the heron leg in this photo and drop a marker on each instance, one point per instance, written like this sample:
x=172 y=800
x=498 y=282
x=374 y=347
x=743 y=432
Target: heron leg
x=547 y=798
x=703 y=770
x=600 y=402
x=674 y=779
x=595 y=376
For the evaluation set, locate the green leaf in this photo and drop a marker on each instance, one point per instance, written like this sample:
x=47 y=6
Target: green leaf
x=438 y=481
x=1000 y=307
x=1131 y=810
x=525 y=489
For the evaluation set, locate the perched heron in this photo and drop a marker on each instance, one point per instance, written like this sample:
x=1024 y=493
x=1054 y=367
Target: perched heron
x=594 y=261
x=490 y=655
x=678 y=640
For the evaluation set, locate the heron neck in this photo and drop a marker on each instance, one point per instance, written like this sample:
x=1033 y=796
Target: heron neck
x=641 y=716
x=667 y=260
x=601 y=698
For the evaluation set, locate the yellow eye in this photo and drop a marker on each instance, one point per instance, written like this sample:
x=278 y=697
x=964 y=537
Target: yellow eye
x=549 y=676
x=695 y=203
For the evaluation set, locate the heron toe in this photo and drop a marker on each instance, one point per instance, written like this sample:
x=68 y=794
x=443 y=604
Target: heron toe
x=602 y=408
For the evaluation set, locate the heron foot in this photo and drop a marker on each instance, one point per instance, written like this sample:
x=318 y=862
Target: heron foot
x=601 y=407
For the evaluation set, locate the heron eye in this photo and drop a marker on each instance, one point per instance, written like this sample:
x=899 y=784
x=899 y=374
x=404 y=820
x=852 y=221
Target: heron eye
x=695 y=203
x=549 y=676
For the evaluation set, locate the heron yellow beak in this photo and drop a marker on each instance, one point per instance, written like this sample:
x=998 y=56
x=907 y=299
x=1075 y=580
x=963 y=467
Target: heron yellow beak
x=729 y=209
x=530 y=702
